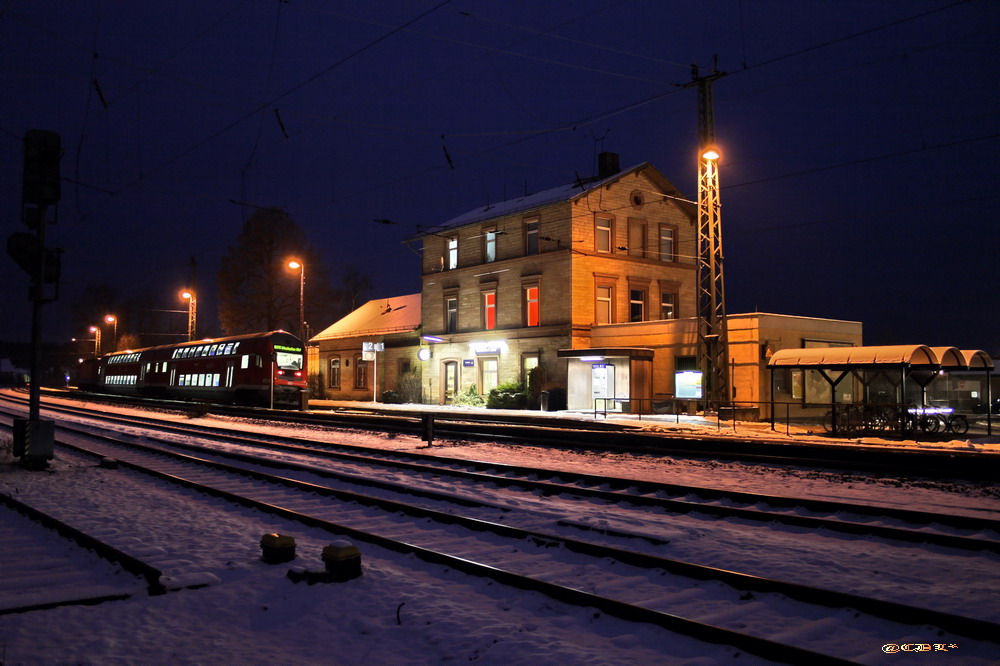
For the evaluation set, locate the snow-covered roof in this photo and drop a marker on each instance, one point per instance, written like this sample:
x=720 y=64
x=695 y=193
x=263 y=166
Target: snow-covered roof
x=545 y=197
x=377 y=317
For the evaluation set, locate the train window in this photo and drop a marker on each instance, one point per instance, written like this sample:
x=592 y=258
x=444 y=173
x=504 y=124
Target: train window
x=215 y=379
x=244 y=362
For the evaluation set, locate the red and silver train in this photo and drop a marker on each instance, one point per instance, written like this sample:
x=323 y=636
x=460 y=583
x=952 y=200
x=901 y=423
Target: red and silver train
x=261 y=369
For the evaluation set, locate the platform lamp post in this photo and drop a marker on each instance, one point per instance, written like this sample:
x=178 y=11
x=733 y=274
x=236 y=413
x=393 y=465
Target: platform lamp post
x=113 y=320
x=295 y=264
x=96 y=330
x=189 y=296
x=301 y=267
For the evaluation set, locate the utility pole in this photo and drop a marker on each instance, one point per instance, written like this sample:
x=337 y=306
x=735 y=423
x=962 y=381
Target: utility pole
x=713 y=343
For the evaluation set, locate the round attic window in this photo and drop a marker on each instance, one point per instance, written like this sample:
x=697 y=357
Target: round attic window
x=637 y=199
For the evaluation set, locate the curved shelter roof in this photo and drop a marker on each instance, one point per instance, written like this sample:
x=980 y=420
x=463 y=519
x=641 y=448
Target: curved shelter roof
x=844 y=357
x=976 y=359
x=948 y=358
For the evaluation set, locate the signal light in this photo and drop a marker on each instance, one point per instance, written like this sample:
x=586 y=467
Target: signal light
x=42 y=151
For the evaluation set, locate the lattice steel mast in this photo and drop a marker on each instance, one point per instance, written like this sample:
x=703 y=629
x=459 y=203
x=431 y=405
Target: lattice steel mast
x=713 y=347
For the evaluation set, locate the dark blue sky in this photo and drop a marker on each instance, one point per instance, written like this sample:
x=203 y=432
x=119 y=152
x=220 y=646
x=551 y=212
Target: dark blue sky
x=860 y=178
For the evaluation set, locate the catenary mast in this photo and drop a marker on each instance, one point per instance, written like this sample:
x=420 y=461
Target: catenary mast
x=713 y=348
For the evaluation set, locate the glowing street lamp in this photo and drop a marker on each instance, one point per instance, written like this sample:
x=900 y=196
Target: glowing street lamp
x=295 y=264
x=111 y=319
x=96 y=330
x=189 y=296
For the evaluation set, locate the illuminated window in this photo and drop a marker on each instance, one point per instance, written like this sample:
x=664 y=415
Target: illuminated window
x=531 y=237
x=668 y=305
x=490 y=245
x=334 y=381
x=636 y=238
x=668 y=251
x=489 y=310
x=531 y=317
x=605 y=304
x=452 y=260
x=451 y=314
x=602 y=234
x=529 y=361
x=489 y=370
x=636 y=304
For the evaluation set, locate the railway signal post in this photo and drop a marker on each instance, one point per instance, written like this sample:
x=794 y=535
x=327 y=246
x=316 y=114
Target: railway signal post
x=40 y=192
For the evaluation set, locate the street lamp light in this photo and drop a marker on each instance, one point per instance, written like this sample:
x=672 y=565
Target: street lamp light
x=188 y=294
x=301 y=267
x=111 y=319
x=96 y=330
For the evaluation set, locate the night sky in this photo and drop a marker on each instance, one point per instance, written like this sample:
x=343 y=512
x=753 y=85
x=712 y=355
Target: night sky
x=859 y=174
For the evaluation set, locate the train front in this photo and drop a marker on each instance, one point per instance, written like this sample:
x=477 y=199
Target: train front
x=291 y=385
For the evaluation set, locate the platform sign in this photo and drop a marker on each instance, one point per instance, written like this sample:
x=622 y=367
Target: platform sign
x=372 y=346
x=688 y=384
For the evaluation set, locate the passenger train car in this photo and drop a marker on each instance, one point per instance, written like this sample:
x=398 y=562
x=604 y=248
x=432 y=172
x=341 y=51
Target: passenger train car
x=262 y=369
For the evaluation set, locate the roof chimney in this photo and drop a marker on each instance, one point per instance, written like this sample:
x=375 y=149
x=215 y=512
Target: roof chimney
x=607 y=165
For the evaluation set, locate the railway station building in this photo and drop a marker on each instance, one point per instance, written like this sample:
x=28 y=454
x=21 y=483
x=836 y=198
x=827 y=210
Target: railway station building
x=588 y=289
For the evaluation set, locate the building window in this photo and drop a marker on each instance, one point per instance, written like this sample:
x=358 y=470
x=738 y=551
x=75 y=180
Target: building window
x=450 y=384
x=636 y=238
x=334 y=381
x=531 y=317
x=668 y=305
x=529 y=362
x=360 y=373
x=490 y=245
x=602 y=234
x=489 y=373
x=451 y=314
x=636 y=304
x=489 y=310
x=451 y=261
x=531 y=237
x=605 y=304
x=668 y=250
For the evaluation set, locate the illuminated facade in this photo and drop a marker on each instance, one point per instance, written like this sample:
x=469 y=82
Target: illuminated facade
x=521 y=284
x=594 y=283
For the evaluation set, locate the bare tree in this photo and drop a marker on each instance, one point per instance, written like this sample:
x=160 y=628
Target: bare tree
x=257 y=290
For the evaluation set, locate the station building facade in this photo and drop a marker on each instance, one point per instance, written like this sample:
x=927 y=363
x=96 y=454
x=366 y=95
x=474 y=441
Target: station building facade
x=594 y=283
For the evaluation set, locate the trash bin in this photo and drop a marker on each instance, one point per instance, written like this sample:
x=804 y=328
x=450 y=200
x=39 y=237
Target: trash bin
x=544 y=401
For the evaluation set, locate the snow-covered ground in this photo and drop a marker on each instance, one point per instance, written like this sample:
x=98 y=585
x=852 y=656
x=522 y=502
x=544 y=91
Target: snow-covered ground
x=405 y=612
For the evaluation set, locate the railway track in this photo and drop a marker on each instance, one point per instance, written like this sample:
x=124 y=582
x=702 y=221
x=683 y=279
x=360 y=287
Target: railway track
x=948 y=530
x=355 y=518
x=542 y=430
